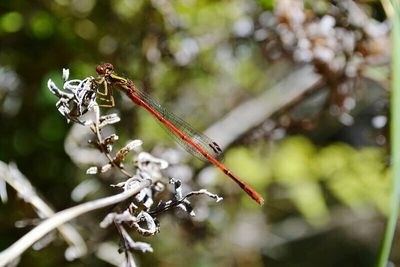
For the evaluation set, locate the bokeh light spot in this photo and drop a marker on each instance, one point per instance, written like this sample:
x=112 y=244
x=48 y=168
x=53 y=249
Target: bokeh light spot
x=42 y=25
x=107 y=45
x=11 y=22
x=86 y=29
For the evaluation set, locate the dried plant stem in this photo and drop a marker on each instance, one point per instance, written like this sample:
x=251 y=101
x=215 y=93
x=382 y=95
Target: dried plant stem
x=62 y=217
x=97 y=132
x=21 y=184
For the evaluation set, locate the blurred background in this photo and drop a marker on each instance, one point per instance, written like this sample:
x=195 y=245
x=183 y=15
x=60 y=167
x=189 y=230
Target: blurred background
x=296 y=93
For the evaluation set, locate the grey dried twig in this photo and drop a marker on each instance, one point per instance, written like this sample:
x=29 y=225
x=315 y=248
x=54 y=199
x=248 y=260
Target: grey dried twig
x=62 y=217
x=12 y=176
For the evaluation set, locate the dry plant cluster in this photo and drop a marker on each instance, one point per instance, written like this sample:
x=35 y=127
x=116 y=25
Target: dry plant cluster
x=139 y=192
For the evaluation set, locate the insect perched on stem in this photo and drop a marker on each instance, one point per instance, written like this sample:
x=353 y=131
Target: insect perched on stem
x=194 y=141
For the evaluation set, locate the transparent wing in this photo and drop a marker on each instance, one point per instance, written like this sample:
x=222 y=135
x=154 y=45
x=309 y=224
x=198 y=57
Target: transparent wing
x=206 y=143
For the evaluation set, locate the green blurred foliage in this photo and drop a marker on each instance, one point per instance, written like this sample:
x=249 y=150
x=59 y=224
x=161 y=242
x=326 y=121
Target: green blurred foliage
x=354 y=177
x=42 y=25
x=267 y=4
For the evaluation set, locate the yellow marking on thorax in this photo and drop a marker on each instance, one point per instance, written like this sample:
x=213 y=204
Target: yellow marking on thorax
x=116 y=77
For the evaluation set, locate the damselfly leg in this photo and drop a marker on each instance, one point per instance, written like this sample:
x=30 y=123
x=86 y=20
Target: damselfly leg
x=106 y=97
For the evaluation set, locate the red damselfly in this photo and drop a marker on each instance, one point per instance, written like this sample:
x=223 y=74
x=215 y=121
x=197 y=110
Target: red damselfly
x=196 y=142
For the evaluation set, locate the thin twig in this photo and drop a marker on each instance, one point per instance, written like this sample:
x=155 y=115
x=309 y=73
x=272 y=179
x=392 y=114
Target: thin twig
x=97 y=132
x=21 y=184
x=62 y=217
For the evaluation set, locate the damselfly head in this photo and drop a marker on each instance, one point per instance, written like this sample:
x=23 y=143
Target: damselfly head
x=104 y=68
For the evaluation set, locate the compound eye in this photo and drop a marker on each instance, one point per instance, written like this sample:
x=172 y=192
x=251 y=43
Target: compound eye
x=104 y=68
x=100 y=69
x=109 y=66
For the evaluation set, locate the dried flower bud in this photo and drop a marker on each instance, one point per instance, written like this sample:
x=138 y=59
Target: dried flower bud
x=96 y=170
x=159 y=187
x=92 y=170
x=109 y=148
x=106 y=168
x=109 y=119
x=119 y=185
x=110 y=139
x=134 y=144
x=145 y=159
x=65 y=74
